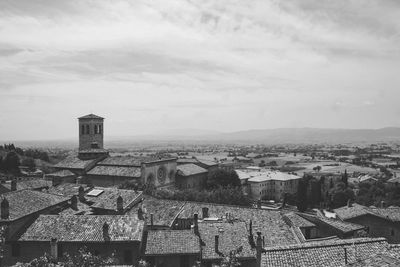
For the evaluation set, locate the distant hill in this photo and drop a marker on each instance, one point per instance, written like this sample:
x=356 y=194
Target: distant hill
x=259 y=136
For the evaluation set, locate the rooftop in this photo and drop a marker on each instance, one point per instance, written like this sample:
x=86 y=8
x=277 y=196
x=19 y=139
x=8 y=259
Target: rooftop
x=73 y=162
x=25 y=202
x=189 y=169
x=329 y=253
x=296 y=220
x=107 y=199
x=29 y=184
x=273 y=175
x=170 y=242
x=91 y=116
x=232 y=235
x=338 y=225
x=164 y=211
x=356 y=210
x=118 y=171
x=67 y=189
x=84 y=228
x=61 y=173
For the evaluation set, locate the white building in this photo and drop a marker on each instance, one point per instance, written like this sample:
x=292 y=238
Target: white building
x=272 y=185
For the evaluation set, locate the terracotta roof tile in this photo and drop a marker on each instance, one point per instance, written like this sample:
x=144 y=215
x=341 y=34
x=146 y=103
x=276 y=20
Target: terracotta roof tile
x=62 y=173
x=116 y=171
x=84 y=228
x=189 y=169
x=25 y=202
x=29 y=184
x=73 y=162
x=108 y=198
x=168 y=242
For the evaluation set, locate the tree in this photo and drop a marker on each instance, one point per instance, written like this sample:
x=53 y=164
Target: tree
x=345 y=178
x=317 y=168
x=340 y=195
x=302 y=195
x=223 y=178
x=11 y=162
x=29 y=162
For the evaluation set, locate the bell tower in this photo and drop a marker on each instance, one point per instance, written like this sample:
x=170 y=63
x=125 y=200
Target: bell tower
x=91 y=132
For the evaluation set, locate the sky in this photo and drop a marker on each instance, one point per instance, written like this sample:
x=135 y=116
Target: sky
x=154 y=66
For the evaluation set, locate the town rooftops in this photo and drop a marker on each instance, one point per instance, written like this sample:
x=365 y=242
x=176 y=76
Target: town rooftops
x=61 y=173
x=73 y=162
x=29 y=184
x=164 y=211
x=355 y=210
x=273 y=176
x=67 y=189
x=90 y=116
x=391 y=213
x=26 y=202
x=172 y=242
x=116 y=171
x=189 y=169
x=296 y=220
x=329 y=253
x=337 y=225
x=85 y=228
x=106 y=198
x=270 y=223
x=231 y=236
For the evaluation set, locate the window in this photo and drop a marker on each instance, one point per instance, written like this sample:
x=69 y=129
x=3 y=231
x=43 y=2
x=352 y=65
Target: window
x=82 y=129
x=100 y=129
x=15 y=250
x=87 y=129
x=96 y=129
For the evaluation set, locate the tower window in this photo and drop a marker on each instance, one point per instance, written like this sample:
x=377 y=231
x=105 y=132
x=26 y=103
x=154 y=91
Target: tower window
x=82 y=129
x=100 y=129
x=95 y=129
x=87 y=129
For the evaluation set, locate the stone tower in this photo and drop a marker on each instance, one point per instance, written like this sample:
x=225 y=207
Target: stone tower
x=91 y=132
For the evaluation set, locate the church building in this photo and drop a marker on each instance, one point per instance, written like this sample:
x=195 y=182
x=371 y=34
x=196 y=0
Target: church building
x=95 y=166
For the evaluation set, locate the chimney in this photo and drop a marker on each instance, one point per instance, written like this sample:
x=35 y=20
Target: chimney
x=54 y=248
x=205 y=212
x=81 y=194
x=14 y=185
x=383 y=204
x=151 y=219
x=251 y=238
x=345 y=256
x=259 y=249
x=140 y=213
x=74 y=202
x=106 y=232
x=196 y=223
x=5 y=209
x=217 y=244
x=120 y=204
x=349 y=203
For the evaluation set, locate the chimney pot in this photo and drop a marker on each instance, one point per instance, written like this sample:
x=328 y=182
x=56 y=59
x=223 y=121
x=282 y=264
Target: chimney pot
x=81 y=194
x=5 y=209
x=120 y=204
x=140 y=213
x=106 y=234
x=54 y=248
x=205 y=212
x=74 y=202
x=14 y=185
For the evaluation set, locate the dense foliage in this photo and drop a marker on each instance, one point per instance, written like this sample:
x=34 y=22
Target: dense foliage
x=222 y=177
x=302 y=203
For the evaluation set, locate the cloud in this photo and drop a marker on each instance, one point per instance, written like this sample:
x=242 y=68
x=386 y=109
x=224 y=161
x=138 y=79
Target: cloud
x=176 y=59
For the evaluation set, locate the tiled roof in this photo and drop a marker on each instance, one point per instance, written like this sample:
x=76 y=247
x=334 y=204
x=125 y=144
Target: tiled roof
x=270 y=223
x=29 y=184
x=356 y=210
x=164 y=211
x=121 y=161
x=231 y=237
x=273 y=176
x=379 y=260
x=186 y=160
x=67 y=189
x=108 y=198
x=169 y=242
x=297 y=221
x=329 y=253
x=25 y=202
x=73 y=162
x=392 y=213
x=116 y=171
x=84 y=228
x=344 y=227
x=207 y=163
x=62 y=173
x=83 y=209
x=189 y=169
x=91 y=116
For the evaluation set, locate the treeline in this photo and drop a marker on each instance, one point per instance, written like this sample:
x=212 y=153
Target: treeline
x=376 y=193
x=223 y=187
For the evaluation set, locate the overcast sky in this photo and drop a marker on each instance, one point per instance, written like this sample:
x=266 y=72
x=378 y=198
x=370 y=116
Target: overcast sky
x=150 y=66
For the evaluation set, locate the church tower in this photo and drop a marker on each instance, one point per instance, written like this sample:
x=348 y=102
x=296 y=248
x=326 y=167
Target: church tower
x=91 y=132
